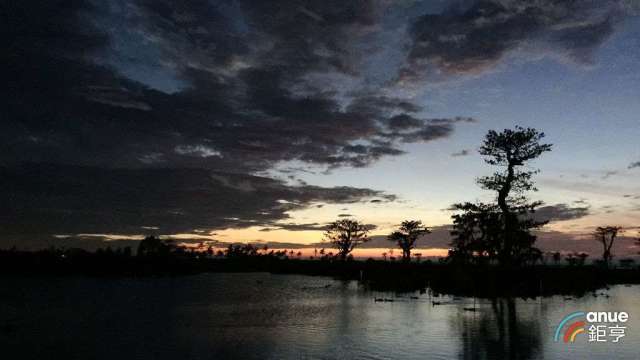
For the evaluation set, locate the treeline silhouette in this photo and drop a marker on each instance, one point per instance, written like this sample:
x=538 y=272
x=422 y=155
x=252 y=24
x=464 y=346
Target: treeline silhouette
x=492 y=252
x=163 y=258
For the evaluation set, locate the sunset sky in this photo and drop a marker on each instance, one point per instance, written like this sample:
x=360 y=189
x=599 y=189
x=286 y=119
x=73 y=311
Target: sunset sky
x=262 y=121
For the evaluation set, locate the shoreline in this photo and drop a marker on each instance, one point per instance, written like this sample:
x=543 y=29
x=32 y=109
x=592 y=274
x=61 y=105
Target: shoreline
x=477 y=281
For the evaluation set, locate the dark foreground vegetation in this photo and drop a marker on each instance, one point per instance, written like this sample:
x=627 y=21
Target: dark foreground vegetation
x=440 y=277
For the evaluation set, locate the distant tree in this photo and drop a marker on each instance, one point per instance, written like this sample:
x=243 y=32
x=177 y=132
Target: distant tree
x=153 y=246
x=531 y=256
x=576 y=258
x=606 y=235
x=384 y=256
x=345 y=235
x=241 y=251
x=556 y=256
x=418 y=257
x=511 y=243
x=405 y=237
x=582 y=258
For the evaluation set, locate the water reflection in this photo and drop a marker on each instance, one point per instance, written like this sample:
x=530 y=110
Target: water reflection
x=262 y=316
x=497 y=332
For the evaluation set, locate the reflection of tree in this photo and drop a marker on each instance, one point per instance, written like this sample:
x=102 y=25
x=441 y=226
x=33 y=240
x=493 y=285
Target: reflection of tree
x=498 y=333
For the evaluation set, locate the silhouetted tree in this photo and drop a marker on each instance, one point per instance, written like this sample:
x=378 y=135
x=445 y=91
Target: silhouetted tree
x=345 y=235
x=576 y=258
x=556 y=256
x=405 y=237
x=507 y=233
x=531 y=256
x=476 y=233
x=582 y=258
x=606 y=235
x=241 y=251
x=153 y=246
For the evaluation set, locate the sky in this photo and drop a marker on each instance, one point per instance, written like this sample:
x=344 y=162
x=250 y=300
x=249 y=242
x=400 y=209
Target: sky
x=262 y=121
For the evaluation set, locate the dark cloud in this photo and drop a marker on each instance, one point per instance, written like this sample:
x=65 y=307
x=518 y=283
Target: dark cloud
x=561 y=212
x=297 y=227
x=634 y=165
x=463 y=152
x=229 y=85
x=476 y=37
x=143 y=104
x=55 y=199
x=403 y=122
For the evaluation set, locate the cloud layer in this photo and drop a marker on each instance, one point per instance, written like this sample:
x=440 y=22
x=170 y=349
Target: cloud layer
x=475 y=38
x=133 y=113
x=149 y=83
x=58 y=199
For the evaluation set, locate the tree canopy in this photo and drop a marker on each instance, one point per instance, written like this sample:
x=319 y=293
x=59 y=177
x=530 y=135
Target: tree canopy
x=502 y=230
x=345 y=235
x=406 y=235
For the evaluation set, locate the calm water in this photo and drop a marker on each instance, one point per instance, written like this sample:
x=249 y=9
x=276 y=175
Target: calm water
x=262 y=316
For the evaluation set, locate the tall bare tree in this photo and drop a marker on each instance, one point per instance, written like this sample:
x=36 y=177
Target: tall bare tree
x=606 y=235
x=405 y=237
x=345 y=235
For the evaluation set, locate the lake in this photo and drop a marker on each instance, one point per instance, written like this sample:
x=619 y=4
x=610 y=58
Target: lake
x=264 y=316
